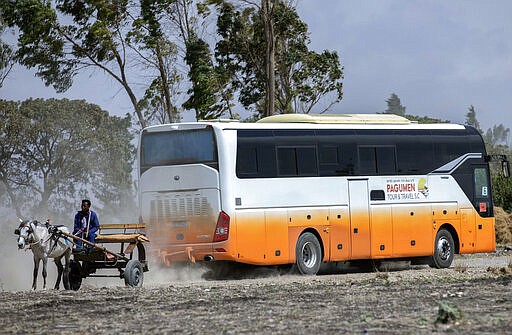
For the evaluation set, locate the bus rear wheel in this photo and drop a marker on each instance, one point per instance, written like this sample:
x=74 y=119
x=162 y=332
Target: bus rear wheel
x=444 y=250
x=308 y=254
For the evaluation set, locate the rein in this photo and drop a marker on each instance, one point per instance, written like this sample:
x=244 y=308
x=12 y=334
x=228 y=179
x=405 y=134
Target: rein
x=34 y=243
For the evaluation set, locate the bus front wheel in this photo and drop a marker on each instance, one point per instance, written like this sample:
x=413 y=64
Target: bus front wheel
x=308 y=254
x=444 y=250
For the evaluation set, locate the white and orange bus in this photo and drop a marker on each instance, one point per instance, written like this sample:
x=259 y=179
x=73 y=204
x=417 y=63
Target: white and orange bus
x=304 y=189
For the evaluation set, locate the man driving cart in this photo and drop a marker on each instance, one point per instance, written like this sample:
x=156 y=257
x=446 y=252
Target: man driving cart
x=86 y=225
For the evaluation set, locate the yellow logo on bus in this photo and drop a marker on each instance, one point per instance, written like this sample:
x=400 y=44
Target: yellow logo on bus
x=422 y=187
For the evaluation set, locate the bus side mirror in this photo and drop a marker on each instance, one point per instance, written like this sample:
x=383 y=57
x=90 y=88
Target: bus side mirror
x=505 y=168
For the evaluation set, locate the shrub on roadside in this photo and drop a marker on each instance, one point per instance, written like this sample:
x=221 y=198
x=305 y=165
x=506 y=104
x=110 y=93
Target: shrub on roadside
x=503 y=226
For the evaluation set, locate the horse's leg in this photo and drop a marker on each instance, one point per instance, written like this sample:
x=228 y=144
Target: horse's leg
x=59 y=271
x=65 y=279
x=36 y=270
x=45 y=263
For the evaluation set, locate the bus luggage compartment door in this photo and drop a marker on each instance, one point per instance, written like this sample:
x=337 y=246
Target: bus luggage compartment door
x=359 y=218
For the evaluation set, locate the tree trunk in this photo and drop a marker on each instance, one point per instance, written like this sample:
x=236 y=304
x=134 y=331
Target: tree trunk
x=13 y=199
x=267 y=7
x=168 y=108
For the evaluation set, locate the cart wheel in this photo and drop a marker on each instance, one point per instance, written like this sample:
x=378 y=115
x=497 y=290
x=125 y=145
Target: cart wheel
x=75 y=275
x=133 y=274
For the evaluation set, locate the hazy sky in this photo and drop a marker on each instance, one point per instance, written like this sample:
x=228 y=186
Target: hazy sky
x=438 y=56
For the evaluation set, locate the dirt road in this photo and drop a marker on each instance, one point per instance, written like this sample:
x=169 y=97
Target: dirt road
x=395 y=302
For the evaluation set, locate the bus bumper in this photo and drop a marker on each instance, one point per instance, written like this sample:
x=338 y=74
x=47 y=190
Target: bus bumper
x=191 y=253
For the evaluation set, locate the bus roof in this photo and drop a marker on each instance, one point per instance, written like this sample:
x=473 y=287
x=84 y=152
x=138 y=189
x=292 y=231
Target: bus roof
x=303 y=121
x=337 y=119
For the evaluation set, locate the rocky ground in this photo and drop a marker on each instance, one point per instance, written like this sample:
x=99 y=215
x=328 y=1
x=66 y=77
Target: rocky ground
x=474 y=296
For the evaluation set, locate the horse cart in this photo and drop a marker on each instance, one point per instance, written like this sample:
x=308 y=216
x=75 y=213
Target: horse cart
x=130 y=240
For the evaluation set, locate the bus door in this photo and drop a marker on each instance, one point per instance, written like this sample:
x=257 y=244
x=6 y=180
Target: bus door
x=484 y=239
x=359 y=218
x=477 y=228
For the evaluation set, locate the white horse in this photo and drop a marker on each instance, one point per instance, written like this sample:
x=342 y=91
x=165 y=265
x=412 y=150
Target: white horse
x=45 y=244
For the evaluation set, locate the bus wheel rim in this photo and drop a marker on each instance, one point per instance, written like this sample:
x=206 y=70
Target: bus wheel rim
x=309 y=255
x=443 y=248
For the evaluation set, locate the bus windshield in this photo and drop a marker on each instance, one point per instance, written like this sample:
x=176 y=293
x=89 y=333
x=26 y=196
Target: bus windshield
x=194 y=146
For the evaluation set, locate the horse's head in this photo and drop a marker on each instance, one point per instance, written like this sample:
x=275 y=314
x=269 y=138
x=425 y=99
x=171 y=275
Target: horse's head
x=25 y=233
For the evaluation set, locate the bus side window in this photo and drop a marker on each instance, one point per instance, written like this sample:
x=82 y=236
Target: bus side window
x=377 y=160
x=255 y=161
x=297 y=161
x=247 y=161
x=448 y=145
x=328 y=154
x=386 y=160
x=367 y=161
x=481 y=183
x=307 y=163
x=286 y=162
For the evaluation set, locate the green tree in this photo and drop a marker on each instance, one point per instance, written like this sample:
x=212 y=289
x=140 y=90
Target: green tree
x=202 y=94
x=302 y=77
x=6 y=57
x=496 y=138
x=140 y=44
x=394 y=105
x=209 y=94
x=424 y=119
x=62 y=151
x=157 y=51
x=497 y=135
x=13 y=178
x=112 y=182
x=471 y=119
x=502 y=191
x=122 y=38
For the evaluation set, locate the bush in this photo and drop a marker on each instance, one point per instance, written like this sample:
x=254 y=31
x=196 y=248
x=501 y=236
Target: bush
x=502 y=189
x=503 y=226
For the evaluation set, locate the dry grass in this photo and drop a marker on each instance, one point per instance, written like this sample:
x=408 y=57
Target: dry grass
x=500 y=271
x=462 y=267
x=503 y=226
x=382 y=275
x=504 y=270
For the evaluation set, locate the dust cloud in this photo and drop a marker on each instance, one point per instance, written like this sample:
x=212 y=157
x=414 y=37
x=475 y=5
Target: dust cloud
x=16 y=266
x=159 y=275
x=155 y=277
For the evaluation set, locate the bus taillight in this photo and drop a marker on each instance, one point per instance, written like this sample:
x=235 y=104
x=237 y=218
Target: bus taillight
x=222 y=228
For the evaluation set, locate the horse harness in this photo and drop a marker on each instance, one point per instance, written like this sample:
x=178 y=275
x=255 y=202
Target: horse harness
x=53 y=230
x=54 y=235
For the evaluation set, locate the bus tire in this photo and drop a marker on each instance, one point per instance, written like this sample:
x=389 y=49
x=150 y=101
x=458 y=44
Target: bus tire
x=444 y=250
x=308 y=254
